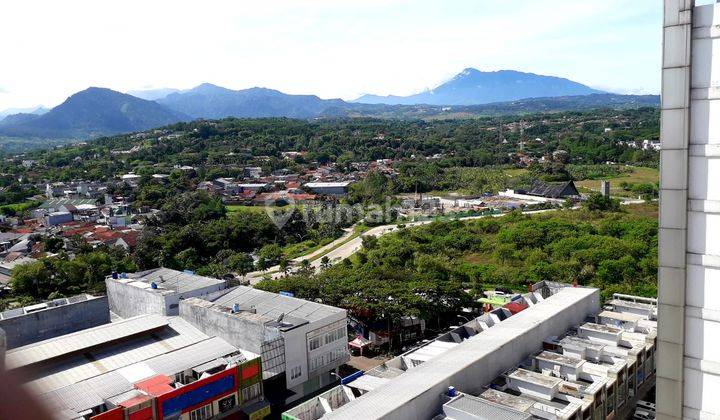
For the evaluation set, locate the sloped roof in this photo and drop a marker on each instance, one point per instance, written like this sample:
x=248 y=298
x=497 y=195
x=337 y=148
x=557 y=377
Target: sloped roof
x=553 y=189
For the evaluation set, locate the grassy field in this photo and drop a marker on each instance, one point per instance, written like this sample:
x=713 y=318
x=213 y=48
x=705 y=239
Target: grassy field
x=639 y=175
x=241 y=208
x=19 y=207
x=649 y=210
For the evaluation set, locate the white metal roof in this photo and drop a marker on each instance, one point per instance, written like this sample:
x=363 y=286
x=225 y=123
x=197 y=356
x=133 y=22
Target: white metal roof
x=328 y=184
x=91 y=392
x=368 y=382
x=273 y=305
x=81 y=340
x=480 y=408
x=168 y=279
x=176 y=335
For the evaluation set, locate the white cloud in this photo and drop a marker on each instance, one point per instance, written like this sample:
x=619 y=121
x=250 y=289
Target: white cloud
x=326 y=47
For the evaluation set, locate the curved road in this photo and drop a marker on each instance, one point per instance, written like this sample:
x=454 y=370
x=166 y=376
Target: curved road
x=341 y=250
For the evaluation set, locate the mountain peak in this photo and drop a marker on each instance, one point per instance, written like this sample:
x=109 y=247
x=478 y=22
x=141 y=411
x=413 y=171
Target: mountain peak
x=474 y=87
x=209 y=88
x=93 y=112
x=468 y=71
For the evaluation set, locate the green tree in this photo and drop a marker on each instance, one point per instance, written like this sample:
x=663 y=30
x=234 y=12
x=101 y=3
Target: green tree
x=599 y=202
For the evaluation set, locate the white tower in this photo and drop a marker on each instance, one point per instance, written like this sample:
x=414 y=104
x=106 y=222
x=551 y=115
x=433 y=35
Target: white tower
x=688 y=364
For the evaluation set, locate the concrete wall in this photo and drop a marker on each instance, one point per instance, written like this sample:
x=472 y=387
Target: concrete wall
x=56 y=321
x=128 y=301
x=240 y=330
x=688 y=372
x=247 y=331
x=417 y=393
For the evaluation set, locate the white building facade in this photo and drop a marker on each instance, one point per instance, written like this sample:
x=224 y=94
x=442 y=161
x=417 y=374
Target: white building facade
x=688 y=369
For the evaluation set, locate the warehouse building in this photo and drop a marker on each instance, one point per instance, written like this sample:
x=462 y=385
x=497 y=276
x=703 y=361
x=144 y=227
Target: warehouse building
x=146 y=367
x=337 y=189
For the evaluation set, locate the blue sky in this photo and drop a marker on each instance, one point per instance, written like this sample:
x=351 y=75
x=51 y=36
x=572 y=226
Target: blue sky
x=332 y=48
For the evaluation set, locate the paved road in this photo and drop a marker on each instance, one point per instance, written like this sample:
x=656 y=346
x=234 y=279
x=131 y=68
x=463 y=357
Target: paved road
x=350 y=247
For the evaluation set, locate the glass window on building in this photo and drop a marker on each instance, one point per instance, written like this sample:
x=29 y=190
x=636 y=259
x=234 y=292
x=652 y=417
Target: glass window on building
x=252 y=392
x=202 y=413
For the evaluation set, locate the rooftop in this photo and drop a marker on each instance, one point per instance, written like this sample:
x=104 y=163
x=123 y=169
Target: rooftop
x=13 y=313
x=425 y=380
x=535 y=378
x=78 y=371
x=328 y=184
x=481 y=408
x=168 y=280
x=509 y=400
x=65 y=345
x=273 y=305
x=559 y=359
x=57 y=202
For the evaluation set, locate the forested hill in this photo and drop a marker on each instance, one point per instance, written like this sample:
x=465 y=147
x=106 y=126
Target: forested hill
x=522 y=106
x=90 y=113
x=225 y=146
x=97 y=112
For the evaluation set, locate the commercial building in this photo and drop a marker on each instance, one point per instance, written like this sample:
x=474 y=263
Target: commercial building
x=594 y=371
x=146 y=367
x=156 y=291
x=338 y=189
x=498 y=366
x=302 y=343
x=688 y=380
x=53 y=318
x=412 y=386
x=58 y=217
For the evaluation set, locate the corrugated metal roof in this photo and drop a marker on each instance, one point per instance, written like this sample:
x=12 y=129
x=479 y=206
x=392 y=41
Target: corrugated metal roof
x=178 y=334
x=273 y=305
x=93 y=391
x=177 y=281
x=486 y=410
x=81 y=340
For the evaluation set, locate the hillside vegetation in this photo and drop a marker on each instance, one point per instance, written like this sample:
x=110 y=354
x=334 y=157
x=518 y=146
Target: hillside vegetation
x=436 y=269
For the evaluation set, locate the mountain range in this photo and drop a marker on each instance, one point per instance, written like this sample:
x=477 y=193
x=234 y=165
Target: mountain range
x=214 y=102
x=98 y=112
x=474 y=87
x=39 y=110
x=90 y=113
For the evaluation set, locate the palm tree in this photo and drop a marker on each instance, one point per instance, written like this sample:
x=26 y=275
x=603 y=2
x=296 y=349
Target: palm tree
x=325 y=262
